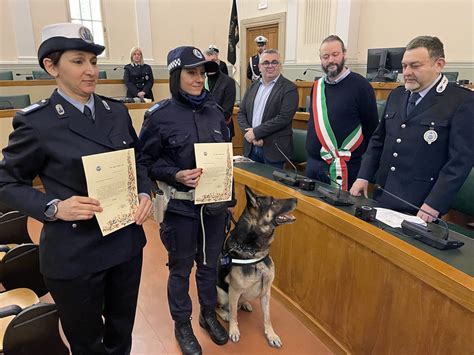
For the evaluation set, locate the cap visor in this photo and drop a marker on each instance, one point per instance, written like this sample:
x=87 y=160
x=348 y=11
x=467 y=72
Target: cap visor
x=209 y=66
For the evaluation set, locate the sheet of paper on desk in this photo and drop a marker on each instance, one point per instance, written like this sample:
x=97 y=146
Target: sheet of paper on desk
x=394 y=219
x=242 y=159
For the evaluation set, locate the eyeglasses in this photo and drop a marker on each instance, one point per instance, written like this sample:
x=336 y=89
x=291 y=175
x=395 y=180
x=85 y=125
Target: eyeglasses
x=266 y=63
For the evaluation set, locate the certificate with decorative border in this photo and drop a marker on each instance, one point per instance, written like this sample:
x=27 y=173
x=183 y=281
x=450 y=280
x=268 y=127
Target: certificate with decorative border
x=215 y=183
x=112 y=179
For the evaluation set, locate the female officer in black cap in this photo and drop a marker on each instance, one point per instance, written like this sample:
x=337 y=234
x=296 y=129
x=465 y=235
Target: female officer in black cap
x=170 y=129
x=138 y=76
x=93 y=279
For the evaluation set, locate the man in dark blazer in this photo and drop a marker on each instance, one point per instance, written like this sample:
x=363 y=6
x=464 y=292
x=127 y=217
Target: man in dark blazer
x=422 y=150
x=222 y=88
x=266 y=113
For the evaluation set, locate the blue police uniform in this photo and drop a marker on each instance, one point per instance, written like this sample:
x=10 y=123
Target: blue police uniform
x=169 y=132
x=426 y=156
x=138 y=78
x=49 y=139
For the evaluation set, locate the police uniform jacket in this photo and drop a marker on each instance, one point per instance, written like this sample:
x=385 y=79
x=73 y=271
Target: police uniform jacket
x=48 y=141
x=254 y=67
x=277 y=118
x=138 y=78
x=408 y=165
x=170 y=129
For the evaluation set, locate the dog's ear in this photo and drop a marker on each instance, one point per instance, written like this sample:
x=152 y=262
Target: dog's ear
x=251 y=197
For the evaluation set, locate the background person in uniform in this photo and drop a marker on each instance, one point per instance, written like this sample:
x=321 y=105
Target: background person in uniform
x=189 y=232
x=346 y=101
x=422 y=149
x=222 y=88
x=138 y=76
x=266 y=113
x=93 y=279
x=222 y=64
x=253 y=69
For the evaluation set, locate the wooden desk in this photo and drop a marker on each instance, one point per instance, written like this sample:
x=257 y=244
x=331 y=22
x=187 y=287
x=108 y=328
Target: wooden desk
x=363 y=290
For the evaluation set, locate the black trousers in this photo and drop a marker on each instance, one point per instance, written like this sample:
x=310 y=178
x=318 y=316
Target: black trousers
x=319 y=170
x=83 y=301
x=182 y=237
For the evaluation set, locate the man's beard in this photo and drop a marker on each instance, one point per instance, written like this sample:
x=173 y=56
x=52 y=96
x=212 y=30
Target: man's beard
x=337 y=71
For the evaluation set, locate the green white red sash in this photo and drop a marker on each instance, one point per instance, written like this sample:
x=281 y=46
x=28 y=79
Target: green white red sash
x=336 y=157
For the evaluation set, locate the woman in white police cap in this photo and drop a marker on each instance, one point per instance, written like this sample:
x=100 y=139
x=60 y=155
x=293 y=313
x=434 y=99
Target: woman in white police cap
x=93 y=279
x=189 y=232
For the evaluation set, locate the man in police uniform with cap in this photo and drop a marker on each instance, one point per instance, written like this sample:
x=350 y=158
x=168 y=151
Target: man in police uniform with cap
x=422 y=150
x=222 y=64
x=94 y=280
x=253 y=71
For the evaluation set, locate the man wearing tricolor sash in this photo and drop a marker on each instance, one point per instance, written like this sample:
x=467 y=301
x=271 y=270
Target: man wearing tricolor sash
x=343 y=116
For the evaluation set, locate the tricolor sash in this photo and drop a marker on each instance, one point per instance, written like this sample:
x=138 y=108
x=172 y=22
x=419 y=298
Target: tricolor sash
x=336 y=157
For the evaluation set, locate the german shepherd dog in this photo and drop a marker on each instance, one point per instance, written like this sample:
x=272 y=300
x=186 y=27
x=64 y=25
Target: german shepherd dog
x=246 y=270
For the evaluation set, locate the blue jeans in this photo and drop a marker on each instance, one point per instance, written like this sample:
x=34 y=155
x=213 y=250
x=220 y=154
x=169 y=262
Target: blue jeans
x=256 y=154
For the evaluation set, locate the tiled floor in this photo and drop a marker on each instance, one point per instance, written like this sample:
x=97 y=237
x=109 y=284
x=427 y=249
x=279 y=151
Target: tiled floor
x=154 y=335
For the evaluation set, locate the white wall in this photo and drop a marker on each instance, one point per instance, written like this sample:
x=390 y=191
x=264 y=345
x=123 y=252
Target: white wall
x=382 y=23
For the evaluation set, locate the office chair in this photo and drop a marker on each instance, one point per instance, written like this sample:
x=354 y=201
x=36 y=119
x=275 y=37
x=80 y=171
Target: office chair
x=19 y=268
x=451 y=75
x=102 y=74
x=14 y=101
x=28 y=326
x=300 y=155
x=6 y=75
x=41 y=75
x=13 y=228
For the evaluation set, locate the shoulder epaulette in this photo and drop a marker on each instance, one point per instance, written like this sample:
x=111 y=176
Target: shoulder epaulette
x=157 y=106
x=464 y=87
x=34 y=107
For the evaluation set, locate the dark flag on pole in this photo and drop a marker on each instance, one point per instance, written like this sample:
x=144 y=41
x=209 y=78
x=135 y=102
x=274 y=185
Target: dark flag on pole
x=233 y=34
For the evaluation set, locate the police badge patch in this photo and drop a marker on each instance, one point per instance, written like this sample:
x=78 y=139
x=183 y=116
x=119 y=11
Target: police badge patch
x=86 y=34
x=197 y=53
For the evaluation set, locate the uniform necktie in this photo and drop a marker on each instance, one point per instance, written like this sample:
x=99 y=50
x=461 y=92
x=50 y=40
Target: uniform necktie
x=88 y=113
x=412 y=102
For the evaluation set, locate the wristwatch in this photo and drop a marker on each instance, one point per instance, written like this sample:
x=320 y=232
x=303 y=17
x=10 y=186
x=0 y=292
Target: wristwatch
x=51 y=210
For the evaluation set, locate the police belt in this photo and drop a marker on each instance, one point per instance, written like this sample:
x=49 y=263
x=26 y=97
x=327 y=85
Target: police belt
x=171 y=192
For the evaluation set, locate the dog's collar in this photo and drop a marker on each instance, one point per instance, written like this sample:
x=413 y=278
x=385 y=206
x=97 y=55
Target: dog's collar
x=247 y=261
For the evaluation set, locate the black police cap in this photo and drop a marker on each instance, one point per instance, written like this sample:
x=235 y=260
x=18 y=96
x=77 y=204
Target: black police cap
x=189 y=57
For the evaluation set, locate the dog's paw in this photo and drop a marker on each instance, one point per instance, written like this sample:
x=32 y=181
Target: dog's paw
x=247 y=307
x=234 y=335
x=274 y=340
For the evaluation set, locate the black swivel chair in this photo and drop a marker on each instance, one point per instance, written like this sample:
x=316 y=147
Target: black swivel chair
x=6 y=75
x=14 y=101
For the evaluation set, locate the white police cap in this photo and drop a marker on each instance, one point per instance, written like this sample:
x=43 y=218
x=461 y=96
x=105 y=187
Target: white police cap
x=66 y=36
x=214 y=48
x=261 y=39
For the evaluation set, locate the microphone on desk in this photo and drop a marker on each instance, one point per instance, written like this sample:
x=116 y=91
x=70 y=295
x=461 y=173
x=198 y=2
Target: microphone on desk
x=28 y=75
x=302 y=182
x=312 y=69
x=9 y=105
x=114 y=69
x=332 y=197
x=422 y=233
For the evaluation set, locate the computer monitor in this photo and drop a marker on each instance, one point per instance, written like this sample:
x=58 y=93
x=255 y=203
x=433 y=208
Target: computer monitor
x=384 y=64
